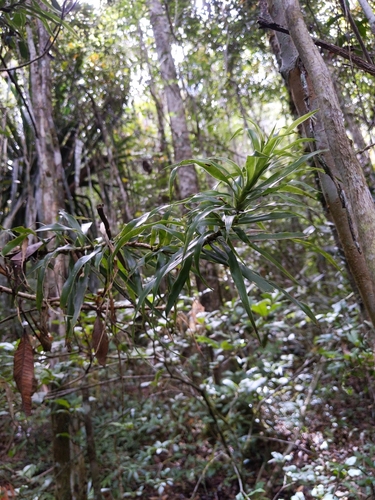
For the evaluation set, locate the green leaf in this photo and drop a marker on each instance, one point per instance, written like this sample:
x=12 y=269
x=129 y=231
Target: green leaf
x=298 y=121
x=264 y=285
x=275 y=236
x=236 y=133
x=69 y=283
x=270 y=258
x=284 y=172
x=202 y=339
x=172 y=179
x=228 y=221
x=317 y=249
x=13 y=244
x=43 y=266
x=236 y=274
x=214 y=169
x=178 y=284
x=252 y=219
x=296 y=190
x=304 y=307
x=78 y=299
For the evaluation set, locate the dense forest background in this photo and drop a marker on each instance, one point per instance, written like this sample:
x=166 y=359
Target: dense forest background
x=187 y=268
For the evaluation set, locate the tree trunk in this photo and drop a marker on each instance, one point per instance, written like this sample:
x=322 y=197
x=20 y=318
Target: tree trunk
x=188 y=180
x=49 y=199
x=368 y=13
x=311 y=88
x=50 y=188
x=91 y=449
x=187 y=176
x=61 y=451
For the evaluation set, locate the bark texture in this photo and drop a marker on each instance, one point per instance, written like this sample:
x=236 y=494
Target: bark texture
x=61 y=451
x=187 y=176
x=91 y=448
x=47 y=197
x=188 y=181
x=49 y=188
x=343 y=170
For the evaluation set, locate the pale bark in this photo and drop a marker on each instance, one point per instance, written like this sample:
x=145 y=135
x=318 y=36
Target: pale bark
x=305 y=98
x=187 y=176
x=49 y=196
x=188 y=180
x=163 y=144
x=348 y=15
x=50 y=190
x=368 y=13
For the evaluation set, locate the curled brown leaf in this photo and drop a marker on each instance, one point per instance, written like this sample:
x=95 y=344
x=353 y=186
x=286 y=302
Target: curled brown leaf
x=23 y=372
x=100 y=341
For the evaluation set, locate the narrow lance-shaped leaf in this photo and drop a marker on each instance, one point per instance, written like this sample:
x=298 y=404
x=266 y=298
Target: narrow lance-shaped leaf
x=78 y=298
x=178 y=284
x=13 y=244
x=236 y=273
x=269 y=257
x=69 y=283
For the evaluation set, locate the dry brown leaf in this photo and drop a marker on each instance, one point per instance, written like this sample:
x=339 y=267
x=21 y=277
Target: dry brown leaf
x=100 y=341
x=7 y=492
x=196 y=308
x=3 y=271
x=23 y=372
x=45 y=337
x=26 y=252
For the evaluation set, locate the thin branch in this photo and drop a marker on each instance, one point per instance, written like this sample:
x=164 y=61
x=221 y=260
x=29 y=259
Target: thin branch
x=346 y=10
x=103 y=218
x=19 y=91
x=64 y=13
x=334 y=49
x=361 y=151
x=31 y=61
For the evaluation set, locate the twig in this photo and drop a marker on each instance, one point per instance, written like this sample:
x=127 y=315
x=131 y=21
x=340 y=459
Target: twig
x=344 y=53
x=103 y=218
x=63 y=392
x=312 y=387
x=361 y=151
x=19 y=91
x=215 y=457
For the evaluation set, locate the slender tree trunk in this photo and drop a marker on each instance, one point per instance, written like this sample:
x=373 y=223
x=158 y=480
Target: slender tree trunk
x=115 y=175
x=327 y=128
x=187 y=176
x=188 y=180
x=368 y=13
x=163 y=144
x=61 y=451
x=50 y=190
x=91 y=449
x=49 y=199
x=78 y=478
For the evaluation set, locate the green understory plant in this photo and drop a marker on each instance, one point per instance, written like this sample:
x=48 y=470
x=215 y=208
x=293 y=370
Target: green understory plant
x=163 y=247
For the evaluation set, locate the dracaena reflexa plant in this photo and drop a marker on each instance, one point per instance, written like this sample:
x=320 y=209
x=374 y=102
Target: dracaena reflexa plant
x=163 y=246
x=266 y=188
